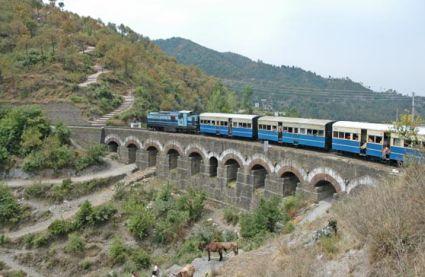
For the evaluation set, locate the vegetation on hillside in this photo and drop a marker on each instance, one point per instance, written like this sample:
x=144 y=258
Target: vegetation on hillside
x=27 y=139
x=288 y=88
x=41 y=60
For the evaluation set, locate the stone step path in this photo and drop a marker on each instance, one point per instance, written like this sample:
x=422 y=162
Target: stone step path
x=128 y=102
x=92 y=79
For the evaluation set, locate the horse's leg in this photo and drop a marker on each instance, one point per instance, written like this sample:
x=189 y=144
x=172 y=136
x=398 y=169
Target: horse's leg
x=220 y=252
x=209 y=255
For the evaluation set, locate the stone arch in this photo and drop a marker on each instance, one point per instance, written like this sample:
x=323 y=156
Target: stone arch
x=231 y=170
x=213 y=166
x=290 y=169
x=133 y=140
x=113 y=138
x=323 y=177
x=152 y=155
x=153 y=143
x=113 y=146
x=259 y=174
x=263 y=161
x=232 y=154
x=195 y=163
x=196 y=148
x=173 y=156
x=290 y=178
x=132 y=149
x=173 y=145
x=328 y=175
x=364 y=181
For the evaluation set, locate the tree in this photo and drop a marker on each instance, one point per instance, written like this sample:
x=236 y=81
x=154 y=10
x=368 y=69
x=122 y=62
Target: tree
x=61 y=5
x=407 y=126
x=247 y=99
x=52 y=3
x=221 y=100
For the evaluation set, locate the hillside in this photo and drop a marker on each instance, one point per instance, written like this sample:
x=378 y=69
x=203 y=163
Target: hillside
x=43 y=59
x=280 y=88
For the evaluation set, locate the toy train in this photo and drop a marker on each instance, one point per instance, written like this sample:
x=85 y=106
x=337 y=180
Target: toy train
x=373 y=140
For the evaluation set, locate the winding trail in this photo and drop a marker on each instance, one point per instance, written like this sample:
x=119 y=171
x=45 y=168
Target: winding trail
x=114 y=169
x=7 y=257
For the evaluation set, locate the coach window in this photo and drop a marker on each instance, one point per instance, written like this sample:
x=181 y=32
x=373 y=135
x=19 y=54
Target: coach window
x=407 y=143
x=273 y=128
x=378 y=140
x=355 y=136
x=341 y=135
x=397 y=142
x=321 y=133
x=285 y=129
x=290 y=129
x=302 y=131
x=347 y=136
x=335 y=134
x=295 y=130
x=235 y=124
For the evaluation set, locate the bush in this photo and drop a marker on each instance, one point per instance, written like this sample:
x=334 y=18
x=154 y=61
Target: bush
x=139 y=224
x=192 y=202
x=390 y=217
x=37 y=191
x=60 y=227
x=84 y=215
x=171 y=228
x=262 y=219
x=93 y=156
x=10 y=210
x=328 y=245
x=231 y=216
x=75 y=244
x=3 y=240
x=118 y=251
x=141 y=258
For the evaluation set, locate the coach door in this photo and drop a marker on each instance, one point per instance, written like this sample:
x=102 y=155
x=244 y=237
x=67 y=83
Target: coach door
x=230 y=127
x=279 y=132
x=363 y=141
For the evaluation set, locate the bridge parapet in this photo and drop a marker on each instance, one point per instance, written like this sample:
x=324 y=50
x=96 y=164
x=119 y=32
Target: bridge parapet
x=235 y=171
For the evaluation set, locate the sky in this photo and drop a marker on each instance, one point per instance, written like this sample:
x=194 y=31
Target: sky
x=380 y=43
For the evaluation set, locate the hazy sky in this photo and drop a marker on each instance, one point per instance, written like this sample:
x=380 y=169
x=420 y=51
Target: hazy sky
x=378 y=42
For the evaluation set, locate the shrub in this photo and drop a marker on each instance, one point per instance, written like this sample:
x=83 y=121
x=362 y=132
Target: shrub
x=75 y=244
x=60 y=192
x=231 y=216
x=292 y=204
x=139 y=224
x=85 y=264
x=192 y=202
x=10 y=210
x=390 y=217
x=3 y=240
x=118 y=251
x=93 y=156
x=60 y=227
x=141 y=258
x=84 y=215
x=102 y=214
x=171 y=227
x=262 y=219
x=38 y=191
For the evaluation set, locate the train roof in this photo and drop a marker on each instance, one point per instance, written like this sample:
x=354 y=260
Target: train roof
x=229 y=115
x=296 y=120
x=364 y=125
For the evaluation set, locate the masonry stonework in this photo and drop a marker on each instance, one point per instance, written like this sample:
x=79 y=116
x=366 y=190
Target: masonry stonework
x=234 y=171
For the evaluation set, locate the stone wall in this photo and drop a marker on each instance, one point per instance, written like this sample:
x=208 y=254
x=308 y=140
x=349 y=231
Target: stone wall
x=259 y=171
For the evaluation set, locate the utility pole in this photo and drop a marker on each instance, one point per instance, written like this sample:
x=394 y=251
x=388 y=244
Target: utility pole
x=413 y=105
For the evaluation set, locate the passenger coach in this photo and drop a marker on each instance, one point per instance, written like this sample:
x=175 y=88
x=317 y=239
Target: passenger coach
x=296 y=131
x=229 y=125
x=402 y=148
x=175 y=121
x=361 y=137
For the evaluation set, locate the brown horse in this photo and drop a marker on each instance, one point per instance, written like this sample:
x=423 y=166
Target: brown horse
x=219 y=247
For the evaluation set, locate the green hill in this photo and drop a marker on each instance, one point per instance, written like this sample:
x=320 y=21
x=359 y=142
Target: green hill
x=41 y=60
x=283 y=88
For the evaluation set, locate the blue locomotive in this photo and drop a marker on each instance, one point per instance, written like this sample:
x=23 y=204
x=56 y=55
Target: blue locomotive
x=176 y=121
x=377 y=141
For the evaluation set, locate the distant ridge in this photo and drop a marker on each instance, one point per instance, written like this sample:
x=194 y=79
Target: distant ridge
x=282 y=88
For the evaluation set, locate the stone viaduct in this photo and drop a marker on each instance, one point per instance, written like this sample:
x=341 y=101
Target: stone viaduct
x=235 y=171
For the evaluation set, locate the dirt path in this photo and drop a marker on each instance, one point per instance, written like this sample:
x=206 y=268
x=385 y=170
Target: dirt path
x=114 y=169
x=68 y=209
x=7 y=257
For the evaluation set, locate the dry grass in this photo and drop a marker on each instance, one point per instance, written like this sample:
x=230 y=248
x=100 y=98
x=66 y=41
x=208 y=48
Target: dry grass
x=390 y=219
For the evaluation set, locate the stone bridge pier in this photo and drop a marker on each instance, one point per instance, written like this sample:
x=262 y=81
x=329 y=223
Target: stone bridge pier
x=234 y=171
